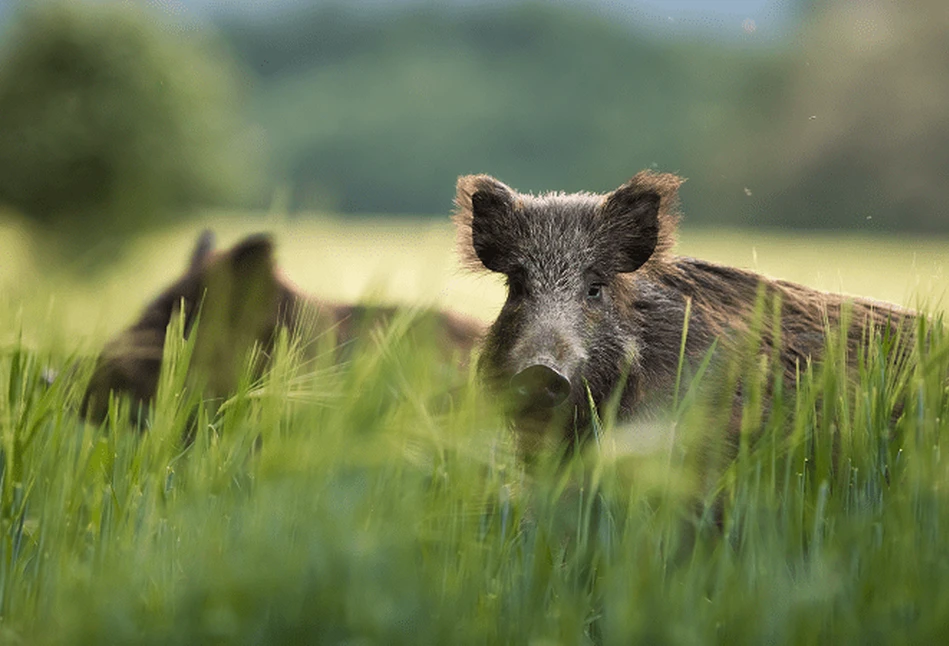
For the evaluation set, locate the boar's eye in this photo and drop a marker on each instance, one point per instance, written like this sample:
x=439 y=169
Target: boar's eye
x=595 y=292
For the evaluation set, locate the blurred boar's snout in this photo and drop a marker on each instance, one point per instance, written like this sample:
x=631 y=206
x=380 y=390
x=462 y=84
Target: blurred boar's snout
x=540 y=386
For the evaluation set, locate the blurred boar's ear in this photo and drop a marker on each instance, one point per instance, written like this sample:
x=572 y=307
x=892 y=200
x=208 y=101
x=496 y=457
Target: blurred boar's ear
x=202 y=249
x=245 y=269
x=252 y=257
x=639 y=219
x=483 y=208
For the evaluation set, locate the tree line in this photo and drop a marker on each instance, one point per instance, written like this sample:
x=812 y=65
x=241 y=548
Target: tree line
x=378 y=112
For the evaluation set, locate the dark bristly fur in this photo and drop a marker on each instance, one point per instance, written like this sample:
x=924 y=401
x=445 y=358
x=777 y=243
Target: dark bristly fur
x=596 y=296
x=243 y=301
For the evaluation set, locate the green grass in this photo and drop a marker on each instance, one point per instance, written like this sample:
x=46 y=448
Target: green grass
x=365 y=504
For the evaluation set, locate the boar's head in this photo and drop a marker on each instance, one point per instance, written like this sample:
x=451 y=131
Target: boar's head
x=570 y=328
x=241 y=302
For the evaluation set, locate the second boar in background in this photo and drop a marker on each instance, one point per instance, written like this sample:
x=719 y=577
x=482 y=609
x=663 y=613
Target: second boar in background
x=243 y=302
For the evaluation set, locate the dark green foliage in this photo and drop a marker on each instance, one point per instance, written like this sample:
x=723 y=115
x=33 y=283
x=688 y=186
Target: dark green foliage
x=111 y=118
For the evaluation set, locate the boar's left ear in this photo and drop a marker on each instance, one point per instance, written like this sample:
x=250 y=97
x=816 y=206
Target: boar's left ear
x=483 y=206
x=203 y=247
x=638 y=220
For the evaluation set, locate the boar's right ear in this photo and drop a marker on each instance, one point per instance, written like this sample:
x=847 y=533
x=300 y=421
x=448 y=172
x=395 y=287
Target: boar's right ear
x=483 y=204
x=252 y=256
x=639 y=219
x=240 y=278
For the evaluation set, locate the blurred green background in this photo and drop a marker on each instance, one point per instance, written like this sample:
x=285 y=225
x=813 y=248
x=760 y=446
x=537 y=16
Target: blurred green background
x=126 y=127
x=782 y=113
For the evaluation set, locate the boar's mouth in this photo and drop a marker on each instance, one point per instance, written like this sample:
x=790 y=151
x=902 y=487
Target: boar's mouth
x=541 y=421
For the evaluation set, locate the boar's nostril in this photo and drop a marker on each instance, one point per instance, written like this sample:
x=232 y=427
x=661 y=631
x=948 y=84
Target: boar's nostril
x=540 y=386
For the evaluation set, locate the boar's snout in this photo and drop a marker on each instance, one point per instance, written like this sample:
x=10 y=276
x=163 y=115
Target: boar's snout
x=540 y=386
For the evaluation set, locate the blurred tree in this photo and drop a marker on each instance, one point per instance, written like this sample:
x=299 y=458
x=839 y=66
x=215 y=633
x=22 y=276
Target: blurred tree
x=111 y=119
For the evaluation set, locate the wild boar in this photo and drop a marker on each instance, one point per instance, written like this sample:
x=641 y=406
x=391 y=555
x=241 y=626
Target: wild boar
x=243 y=302
x=596 y=303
